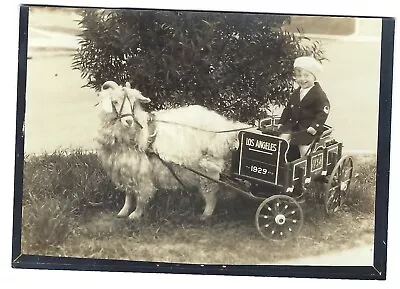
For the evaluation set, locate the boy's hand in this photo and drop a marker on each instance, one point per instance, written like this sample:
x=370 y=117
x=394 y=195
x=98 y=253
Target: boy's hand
x=311 y=130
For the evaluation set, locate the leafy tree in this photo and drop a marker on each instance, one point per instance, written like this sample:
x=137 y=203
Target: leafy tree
x=230 y=62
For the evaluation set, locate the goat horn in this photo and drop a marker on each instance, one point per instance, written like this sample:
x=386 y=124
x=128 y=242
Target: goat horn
x=110 y=84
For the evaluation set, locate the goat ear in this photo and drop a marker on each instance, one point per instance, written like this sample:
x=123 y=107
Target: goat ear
x=144 y=99
x=106 y=105
x=141 y=98
x=135 y=94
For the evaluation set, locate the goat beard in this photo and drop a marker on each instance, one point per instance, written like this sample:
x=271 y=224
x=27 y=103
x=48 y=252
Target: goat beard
x=114 y=134
x=121 y=154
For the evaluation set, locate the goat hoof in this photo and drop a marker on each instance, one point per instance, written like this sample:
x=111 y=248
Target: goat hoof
x=123 y=214
x=134 y=216
x=205 y=217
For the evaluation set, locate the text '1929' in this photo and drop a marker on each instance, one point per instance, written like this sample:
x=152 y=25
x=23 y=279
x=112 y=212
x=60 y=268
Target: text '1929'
x=258 y=170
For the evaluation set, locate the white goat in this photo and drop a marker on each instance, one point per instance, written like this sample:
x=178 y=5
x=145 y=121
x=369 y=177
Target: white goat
x=178 y=136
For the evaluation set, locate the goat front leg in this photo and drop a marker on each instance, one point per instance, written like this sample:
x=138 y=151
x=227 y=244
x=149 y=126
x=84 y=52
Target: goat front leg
x=142 y=200
x=127 y=206
x=209 y=191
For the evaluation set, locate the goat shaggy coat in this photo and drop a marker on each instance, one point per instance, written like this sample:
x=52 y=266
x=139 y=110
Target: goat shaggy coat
x=182 y=137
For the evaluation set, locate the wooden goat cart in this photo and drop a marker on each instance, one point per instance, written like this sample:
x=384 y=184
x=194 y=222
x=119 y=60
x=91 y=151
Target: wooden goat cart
x=267 y=169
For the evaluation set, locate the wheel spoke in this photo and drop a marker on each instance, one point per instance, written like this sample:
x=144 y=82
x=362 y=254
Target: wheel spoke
x=333 y=196
x=286 y=208
x=348 y=167
x=269 y=224
x=292 y=222
x=340 y=171
x=348 y=170
x=283 y=206
x=274 y=209
x=265 y=217
x=272 y=229
x=334 y=188
x=268 y=212
x=291 y=213
x=333 y=200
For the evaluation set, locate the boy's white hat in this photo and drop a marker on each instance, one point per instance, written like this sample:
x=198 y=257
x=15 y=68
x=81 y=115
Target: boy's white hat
x=308 y=63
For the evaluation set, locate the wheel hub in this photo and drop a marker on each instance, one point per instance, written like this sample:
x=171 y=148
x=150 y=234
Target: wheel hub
x=343 y=186
x=280 y=219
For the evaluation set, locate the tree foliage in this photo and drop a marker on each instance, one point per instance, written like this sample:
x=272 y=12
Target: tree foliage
x=230 y=62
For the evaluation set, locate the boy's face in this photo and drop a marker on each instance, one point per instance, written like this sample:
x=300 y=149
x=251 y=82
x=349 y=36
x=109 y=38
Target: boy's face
x=304 y=78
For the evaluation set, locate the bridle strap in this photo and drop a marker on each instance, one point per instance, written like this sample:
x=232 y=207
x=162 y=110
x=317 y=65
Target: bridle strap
x=121 y=116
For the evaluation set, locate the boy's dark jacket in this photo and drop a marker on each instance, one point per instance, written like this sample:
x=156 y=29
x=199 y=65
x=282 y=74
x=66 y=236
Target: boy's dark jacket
x=311 y=111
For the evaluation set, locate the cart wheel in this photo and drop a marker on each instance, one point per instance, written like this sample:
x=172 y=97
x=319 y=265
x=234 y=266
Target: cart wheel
x=338 y=184
x=279 y=217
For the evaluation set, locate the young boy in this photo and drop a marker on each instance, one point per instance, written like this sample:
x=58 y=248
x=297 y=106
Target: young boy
x=308 y=106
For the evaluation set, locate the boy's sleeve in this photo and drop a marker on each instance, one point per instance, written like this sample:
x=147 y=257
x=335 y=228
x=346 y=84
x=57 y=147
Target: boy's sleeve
x=286 y=113
x=322 y=112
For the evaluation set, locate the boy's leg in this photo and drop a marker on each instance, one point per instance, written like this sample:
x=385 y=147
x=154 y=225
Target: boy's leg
x=286 y=136
x=303 y=150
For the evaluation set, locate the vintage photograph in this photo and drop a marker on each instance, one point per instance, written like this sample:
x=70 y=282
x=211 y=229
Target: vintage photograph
x=200 y=137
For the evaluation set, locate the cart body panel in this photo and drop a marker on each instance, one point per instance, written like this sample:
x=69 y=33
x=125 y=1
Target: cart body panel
x=260 y=158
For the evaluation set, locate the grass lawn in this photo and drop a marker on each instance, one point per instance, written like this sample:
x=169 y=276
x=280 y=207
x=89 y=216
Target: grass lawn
x=70 y=207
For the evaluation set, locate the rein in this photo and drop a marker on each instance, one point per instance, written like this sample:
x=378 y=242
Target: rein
x=206 y=130
x=152 y=119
